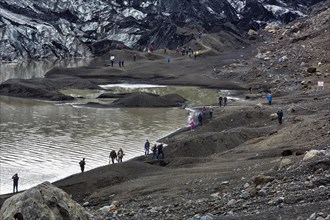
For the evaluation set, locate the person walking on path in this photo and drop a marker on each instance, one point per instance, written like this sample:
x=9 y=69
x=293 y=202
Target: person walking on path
x=269 y=98
x=112 y=156
x=160 y=151
x=15 y=183
x=211 y=111
x=204 y=112
x=134 y=57
x=120 y=155
x=225 y=101
x=18 y=216
x=200 y=119
x=82 y=165
x=280 y=116
x=146 y=148
x=112 y=59
x=154 y=152
x=192 y=124
x=220 y=101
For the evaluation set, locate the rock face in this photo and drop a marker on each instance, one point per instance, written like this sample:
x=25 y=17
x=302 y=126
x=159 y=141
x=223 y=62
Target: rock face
x=34 y=29
x=44 y=201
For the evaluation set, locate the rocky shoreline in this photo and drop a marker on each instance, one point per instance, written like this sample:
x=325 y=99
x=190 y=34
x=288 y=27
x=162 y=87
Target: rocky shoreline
x=241 y=164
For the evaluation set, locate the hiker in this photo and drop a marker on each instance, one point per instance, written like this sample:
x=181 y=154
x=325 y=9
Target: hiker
x=122 y=63
x=211 y=111
x=165 y=51
x=168 y=59
x=220 y=101
x=146 y=148
x=189 y=52
x=119 y=62
x=280 y=116
x=112 y=156
x=82 y=165
x=18 y=216
x=225 y=101
x=160 y=151
x=192 y=124
x=184 y=51
x=269 y=98
x=200 y=119
x=204 y=112
x=250 y=89
x=112 y=59
x=154 y=152
x=120 y=155
x=134 y=58
x=15 y=181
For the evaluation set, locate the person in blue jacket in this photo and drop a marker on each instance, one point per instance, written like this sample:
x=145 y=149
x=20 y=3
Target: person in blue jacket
x=269 y=98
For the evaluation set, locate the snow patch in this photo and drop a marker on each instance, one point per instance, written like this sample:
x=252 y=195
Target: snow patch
x=125 y=35
x=138 y=15
x=210 y=10
x=277 y=10
x=146 y=4
x=238 y=5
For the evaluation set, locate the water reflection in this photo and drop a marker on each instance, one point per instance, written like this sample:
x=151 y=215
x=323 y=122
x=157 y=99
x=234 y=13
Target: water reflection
x=33 y=69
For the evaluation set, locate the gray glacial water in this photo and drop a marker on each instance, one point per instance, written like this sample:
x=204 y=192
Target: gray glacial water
x=45 y=141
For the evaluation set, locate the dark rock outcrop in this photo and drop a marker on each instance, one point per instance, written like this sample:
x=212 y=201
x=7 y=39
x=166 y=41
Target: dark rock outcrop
x=143 y=99
x=44 y=201
x=43 y=88
x=111 y=95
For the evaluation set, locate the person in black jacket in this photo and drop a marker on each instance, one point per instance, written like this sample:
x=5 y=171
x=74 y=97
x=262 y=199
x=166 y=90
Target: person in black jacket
x=280 y=116
x=113 y=156
x=160 y=151
x=15 y=181
x=82 y=165
x=18 y=216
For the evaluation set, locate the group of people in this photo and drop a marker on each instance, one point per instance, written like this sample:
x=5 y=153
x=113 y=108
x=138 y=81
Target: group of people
x=157 y=150
x=120 y=61
x=116 y=156
x=223 y=101
x=112 y=157
x=201 y=116
x=279 y=112
x=188 y=51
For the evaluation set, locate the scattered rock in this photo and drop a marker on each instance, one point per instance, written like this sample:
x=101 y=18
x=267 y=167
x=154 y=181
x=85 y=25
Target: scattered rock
x=283 y=59
x=285 y=162
x=311 y=69
x=261 y=179
x=310 y=154
x=286 y=153
x=273 y=116
x=231 y=202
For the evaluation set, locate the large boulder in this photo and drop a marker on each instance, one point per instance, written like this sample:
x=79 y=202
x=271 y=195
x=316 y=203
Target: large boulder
x=44 y=201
